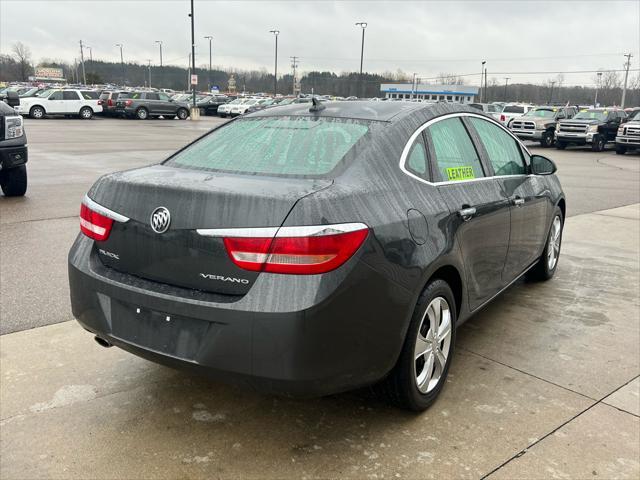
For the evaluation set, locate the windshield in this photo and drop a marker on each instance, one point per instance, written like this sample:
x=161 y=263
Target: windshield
x=298 y=146
x=591 y=115
x=635 y=117
x=513 y=109
x=541 y=113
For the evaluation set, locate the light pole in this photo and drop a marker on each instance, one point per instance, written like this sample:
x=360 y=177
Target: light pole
x=483 y=93
x=413 y=86
x=149 y=62
x=626 y=76
x=595 y=100
x=363 y=26
x=121 y=61
x=275 y=68
x=90 y=56
x=159 y=42
x=210 y=38
x=194 y=110
x=553 y=82
x=506 y=82
x=84 y=75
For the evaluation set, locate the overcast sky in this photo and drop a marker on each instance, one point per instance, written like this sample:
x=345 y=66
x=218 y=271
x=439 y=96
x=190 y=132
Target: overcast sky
x=425 y=37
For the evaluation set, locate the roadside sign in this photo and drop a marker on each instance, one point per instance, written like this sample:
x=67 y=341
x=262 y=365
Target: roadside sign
x=194 y=79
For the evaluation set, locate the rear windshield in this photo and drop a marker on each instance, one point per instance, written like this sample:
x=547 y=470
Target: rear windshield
x=513 y=109
x=541 y=113
x=292 y=146
x=104 y=95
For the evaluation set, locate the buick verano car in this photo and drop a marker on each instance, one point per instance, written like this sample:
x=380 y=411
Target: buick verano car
x=311 y=249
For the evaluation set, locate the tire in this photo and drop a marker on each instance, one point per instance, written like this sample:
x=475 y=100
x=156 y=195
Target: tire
x=547 y=139
x=142 y=113
x=621 y=149
x=86 y=113
x=598 y=143
x=561 y=145
x=182 y=113
x=14 y=181
x=401 y=387
x=545 y=269
x=37 y=112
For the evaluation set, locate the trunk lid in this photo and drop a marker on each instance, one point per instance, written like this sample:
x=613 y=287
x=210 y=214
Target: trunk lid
x=195 y=200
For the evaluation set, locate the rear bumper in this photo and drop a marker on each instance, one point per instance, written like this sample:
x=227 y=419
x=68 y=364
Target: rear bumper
x=14 y=156
x=291 y=336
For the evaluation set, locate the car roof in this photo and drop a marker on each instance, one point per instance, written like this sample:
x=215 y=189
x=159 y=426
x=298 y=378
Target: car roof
x=360 y=110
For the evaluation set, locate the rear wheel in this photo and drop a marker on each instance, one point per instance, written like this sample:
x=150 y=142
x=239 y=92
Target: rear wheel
x=86 y=113
x=142 y=113
x=422 y=368
x=560 y=145
x=547 y=139
x=621 y=149
x=182 y=113
x=36 y=112
x=598 y=143
x=545 y=269
x=14 y=181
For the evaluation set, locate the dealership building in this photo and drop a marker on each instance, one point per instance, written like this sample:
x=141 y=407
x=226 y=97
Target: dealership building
x=434 y=93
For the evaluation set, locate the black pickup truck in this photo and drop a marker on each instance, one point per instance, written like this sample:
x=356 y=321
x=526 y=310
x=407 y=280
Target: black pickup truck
x=595 y=127
x=142 y=105
x=13 y=149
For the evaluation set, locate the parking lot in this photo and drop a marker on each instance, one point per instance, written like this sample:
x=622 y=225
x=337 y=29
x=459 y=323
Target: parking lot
x=544 y=383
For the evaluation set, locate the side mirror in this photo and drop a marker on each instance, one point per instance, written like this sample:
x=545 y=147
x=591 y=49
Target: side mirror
x=542 y=165
x=13 y=99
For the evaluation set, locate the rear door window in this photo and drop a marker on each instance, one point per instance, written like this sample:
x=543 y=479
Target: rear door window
x=291 y=146
x=70 y=95
x=416 y=161
x=503 y=150
x=455 y=157
x=90 y=95
x=152 y=96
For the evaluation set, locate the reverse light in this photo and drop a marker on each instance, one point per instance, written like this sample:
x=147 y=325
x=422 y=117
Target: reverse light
x=304 y=250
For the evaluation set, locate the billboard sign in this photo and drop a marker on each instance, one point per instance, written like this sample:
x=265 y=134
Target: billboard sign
x=52 y=73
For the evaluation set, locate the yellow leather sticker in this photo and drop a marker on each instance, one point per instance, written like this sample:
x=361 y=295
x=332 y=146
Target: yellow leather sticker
x=460 y=173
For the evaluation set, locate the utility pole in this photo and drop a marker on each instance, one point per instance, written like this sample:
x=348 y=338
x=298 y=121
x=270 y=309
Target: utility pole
x=626 y=76
x=84 y=75
x=553 y=82
x=275 y=68
x=210 y=38
x=413 y=85
x=595 y=100
x=159 y=42
x=363 y=26
x=483 y=93
x=90 y=56
x=121 y=61
x=149 y=62
x=506 y=82
x=194 y=109
x=294 y=65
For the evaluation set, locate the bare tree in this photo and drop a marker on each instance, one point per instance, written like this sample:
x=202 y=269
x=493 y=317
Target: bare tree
x=22 y=54
x=449 y=79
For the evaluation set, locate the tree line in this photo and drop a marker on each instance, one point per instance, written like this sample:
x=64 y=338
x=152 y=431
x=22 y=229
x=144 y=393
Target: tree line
x=18 y=66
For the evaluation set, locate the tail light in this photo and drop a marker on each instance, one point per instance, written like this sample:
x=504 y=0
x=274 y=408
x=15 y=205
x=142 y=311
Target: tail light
x=94 y=225
x=128 y=102
x=96 y=221
x=502 y=118
x=99 y=102
x=110 y=103
x=296 y=250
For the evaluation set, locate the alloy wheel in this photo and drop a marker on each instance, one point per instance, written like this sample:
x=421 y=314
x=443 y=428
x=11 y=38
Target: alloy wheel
x=433 y=344
x=553 y=249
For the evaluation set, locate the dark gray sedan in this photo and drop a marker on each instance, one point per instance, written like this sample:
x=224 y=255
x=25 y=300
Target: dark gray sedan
x=311 y=249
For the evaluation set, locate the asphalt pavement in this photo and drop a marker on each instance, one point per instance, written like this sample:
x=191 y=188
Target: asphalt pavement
x=544 y=383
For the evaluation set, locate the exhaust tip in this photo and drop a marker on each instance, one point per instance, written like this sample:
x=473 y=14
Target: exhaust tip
x=102 y=342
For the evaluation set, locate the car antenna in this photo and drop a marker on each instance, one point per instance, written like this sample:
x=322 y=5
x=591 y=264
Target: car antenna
x=317 y=106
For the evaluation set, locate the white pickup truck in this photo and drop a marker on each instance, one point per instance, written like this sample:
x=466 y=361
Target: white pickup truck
x=70 y=102
x=513 y=110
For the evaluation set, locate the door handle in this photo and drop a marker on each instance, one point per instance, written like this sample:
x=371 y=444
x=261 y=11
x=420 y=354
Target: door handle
x=517 y=201
x=467 y=213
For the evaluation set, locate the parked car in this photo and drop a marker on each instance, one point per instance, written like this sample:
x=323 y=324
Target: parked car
x=243 y=107
x=13 y=149
x=628 y=135
x=225 y=110
x=109 y=99
x=142 y=105
x=595 y=127
x=488 y=108
x=261 y=105
x=293 y=226
x=209 y=105
x=539 y=123
x=69 y=102
x=513 y=110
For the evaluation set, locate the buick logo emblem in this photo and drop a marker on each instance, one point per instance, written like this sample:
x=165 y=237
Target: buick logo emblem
x=160 y=220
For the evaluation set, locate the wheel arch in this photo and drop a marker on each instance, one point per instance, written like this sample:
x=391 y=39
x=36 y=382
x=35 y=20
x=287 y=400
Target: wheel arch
x=563 y=207
x=37 y=105
x=451 y=275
